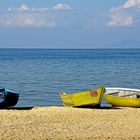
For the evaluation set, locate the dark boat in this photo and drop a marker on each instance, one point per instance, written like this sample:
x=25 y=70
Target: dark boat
x=8 y=98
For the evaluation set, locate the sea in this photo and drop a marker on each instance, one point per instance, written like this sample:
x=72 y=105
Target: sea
x=39 y=75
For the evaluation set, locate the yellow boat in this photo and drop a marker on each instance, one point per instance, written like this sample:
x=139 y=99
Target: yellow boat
x=84 y=98
x=123 y=97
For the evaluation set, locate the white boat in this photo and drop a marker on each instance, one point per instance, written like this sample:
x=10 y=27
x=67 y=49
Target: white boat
x=124 y=97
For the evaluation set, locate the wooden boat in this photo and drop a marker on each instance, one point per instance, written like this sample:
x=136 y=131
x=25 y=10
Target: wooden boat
x=123 y=97
x=84 y=98
x=8 y=98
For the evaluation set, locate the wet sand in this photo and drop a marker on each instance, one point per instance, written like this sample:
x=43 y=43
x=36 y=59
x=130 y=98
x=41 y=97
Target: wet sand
x=65 y=123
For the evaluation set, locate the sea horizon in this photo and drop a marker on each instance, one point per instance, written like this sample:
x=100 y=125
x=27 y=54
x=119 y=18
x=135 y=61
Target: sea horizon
x=72 y=48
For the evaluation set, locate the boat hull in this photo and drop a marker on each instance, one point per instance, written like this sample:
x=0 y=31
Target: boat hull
x=85 y=98
x=125 y=98
x=10 y=98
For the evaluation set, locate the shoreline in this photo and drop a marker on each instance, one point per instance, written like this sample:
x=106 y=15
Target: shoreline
x=67 y=123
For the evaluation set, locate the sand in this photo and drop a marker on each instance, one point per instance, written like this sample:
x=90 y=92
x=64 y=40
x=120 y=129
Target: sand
x=65 y=123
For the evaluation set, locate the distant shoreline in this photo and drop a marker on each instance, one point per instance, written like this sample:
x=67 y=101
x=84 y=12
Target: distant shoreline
x=69 y=48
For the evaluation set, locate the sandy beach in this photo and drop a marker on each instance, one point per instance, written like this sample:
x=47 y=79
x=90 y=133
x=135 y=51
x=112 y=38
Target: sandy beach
x=65 y=123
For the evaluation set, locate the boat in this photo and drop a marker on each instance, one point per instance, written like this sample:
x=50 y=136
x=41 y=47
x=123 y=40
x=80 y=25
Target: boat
x=82 y=99
x=8 y=98
x=123 y=97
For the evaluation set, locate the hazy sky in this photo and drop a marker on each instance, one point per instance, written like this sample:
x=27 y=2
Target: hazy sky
x=70 y=24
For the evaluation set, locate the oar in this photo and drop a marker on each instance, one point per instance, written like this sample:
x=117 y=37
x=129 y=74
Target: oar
x=113 y=93
x=138 y=95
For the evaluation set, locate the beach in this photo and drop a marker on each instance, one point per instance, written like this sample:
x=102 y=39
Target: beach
x=67 y=123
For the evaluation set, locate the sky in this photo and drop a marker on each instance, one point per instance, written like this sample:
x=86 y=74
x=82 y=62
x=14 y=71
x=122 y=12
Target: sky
x=70 y=24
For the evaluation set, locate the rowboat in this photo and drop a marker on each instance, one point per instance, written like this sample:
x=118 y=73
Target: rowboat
x=123 y=97
x=8 y=98
x=85 y=98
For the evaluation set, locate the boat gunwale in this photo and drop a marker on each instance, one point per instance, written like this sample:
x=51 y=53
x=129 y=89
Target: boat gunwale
x=125 y=89
x=65 y=94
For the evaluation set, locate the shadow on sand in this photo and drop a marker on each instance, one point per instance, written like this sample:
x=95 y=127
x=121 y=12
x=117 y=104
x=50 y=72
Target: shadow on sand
x=99 y=107
x=18 y=108
x=83 y=107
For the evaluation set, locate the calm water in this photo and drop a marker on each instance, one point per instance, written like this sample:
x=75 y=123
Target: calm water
x=40 y=74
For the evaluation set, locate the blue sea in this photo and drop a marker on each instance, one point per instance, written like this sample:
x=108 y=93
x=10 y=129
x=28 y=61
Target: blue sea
x=41 y=74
